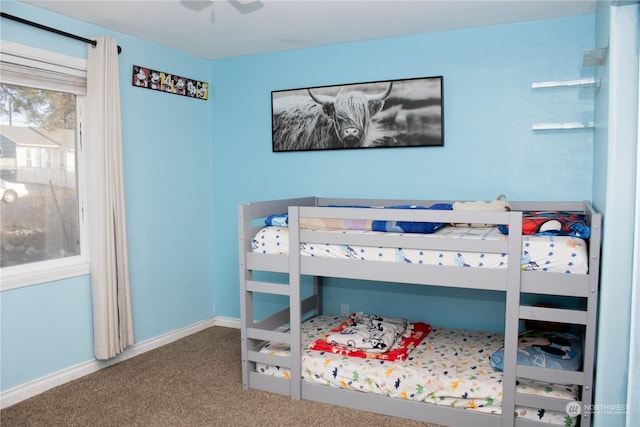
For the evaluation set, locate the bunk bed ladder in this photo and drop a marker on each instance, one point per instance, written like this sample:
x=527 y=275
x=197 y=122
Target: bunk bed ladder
x=255 y=333
x=284 y=325
x=585 y=316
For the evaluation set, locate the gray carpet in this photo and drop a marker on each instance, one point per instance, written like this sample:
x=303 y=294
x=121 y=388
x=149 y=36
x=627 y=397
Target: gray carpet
x=195 y=381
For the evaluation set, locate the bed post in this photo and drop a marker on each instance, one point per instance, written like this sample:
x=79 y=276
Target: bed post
x=246 y=298
x=295 y=304
x=317 y=287
x=590 y=333
x=512 y=319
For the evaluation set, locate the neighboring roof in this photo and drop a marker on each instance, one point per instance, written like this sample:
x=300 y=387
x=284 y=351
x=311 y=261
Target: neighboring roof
x=38 y=137
x=63 y=137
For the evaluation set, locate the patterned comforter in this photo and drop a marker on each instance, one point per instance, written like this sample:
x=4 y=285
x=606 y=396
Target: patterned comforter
x=450 y=367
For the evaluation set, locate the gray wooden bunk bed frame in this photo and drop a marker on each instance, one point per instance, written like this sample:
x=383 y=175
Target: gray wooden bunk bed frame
x=511 y=280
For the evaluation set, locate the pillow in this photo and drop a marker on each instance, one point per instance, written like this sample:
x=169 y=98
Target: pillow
x=499 y=205
x=543 y=349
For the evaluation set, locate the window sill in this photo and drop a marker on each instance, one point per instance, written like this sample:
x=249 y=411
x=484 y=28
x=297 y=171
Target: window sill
x=46 y=271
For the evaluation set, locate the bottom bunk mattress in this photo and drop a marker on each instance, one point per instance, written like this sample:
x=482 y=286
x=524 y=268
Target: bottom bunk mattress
x=450 y=367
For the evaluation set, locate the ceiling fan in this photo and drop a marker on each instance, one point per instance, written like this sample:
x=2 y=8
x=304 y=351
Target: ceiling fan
x=243 y=7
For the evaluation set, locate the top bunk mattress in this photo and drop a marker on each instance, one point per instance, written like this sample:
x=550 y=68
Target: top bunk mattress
x=549 y=253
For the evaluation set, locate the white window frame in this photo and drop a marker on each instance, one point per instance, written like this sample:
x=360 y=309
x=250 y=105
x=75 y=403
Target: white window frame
x=62 y=268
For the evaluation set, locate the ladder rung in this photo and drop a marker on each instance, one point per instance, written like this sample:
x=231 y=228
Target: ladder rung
x=267 y=288
x=264 y=335
x=576 y=317
x=550 y=375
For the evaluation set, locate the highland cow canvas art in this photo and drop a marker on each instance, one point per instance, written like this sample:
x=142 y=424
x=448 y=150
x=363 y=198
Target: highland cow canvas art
x=393 y=113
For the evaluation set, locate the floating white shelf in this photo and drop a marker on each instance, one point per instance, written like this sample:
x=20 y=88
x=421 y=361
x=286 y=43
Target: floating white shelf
x=563 y=126
x=591 y=58
x=589 y=82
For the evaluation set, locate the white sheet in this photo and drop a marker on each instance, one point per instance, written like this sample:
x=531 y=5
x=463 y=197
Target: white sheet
x=560 y=254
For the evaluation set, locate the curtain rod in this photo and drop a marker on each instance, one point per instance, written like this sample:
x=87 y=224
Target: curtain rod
x=53 y=30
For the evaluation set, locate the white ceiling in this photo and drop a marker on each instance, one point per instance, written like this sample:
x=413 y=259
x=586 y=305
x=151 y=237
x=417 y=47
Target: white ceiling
x=217 y=29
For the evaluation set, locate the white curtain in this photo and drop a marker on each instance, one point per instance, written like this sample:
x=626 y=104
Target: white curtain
x=112 y=318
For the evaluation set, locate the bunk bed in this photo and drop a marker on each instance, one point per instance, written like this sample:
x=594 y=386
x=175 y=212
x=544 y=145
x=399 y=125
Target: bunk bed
x=276 y=354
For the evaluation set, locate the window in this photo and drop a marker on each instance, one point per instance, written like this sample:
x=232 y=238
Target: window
x=42 y=230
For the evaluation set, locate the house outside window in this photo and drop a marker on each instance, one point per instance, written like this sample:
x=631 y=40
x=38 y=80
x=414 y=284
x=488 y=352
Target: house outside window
x=42 y=226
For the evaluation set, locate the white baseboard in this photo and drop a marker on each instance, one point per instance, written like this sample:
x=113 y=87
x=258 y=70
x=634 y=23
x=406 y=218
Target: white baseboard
x=227 y=322
x=40 y=385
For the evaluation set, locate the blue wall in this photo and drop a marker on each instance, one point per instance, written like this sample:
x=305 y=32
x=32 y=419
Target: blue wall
x=190 y=163
x=489 y=145
x=168 y=184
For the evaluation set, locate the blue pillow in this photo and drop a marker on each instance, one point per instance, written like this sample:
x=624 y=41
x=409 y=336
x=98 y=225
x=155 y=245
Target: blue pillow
x=280 y=220
x=411 y=226
x=555 y=350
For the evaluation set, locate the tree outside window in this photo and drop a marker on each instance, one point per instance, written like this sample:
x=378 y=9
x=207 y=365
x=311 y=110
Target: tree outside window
x=39 y=210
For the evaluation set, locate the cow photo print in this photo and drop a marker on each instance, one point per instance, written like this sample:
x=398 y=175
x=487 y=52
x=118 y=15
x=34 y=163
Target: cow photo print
x=391 y=113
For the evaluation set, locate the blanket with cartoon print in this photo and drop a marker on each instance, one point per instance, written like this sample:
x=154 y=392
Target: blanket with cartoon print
x=554 y=223
x=374 y=337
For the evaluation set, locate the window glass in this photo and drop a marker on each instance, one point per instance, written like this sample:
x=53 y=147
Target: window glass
x=39 y=206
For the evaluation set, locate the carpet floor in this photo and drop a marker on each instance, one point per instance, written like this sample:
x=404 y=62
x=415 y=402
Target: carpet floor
x=195 y=381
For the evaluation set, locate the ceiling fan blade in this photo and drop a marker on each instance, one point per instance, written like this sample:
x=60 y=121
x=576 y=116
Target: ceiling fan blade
x=242 y=7
x=196 y=5
x=247 y=7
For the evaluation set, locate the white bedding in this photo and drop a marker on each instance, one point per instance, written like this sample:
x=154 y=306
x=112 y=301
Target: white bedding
x=561 y=254
x=450 y=367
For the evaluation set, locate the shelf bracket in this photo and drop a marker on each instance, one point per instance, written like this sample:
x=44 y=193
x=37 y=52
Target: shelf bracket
x=594 y=57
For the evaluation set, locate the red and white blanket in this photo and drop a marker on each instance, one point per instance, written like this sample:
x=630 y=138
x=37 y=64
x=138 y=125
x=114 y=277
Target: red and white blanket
x=371 y=336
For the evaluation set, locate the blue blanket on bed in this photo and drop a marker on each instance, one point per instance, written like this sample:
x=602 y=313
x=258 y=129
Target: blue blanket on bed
x=282 y=220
